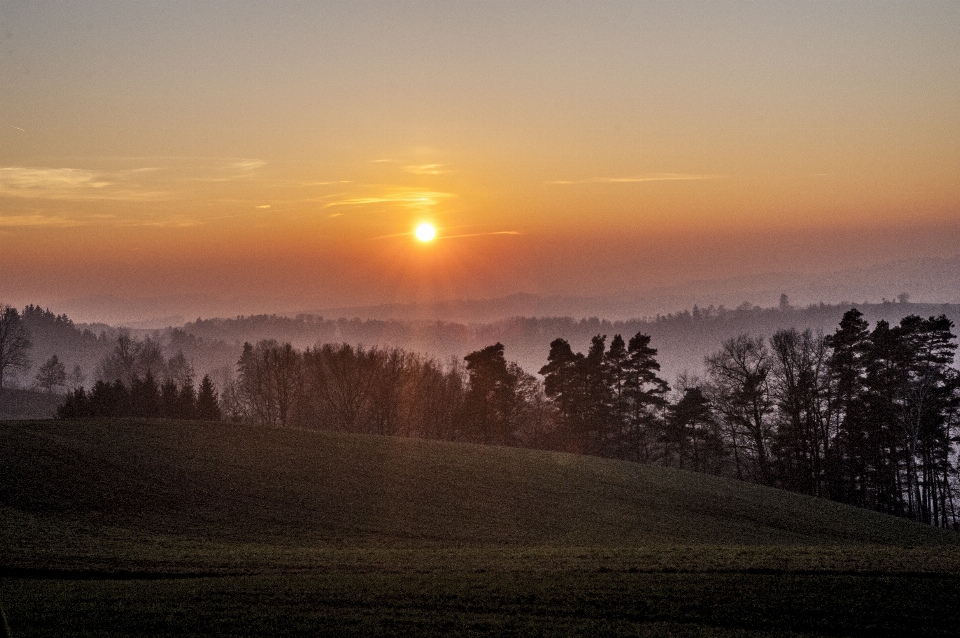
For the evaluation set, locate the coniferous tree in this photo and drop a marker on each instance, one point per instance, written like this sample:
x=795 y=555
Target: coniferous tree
x=564 y=384
x=208 y=405
x=691 y=436
x=75 y=406
x=616 y=362
x=169 y=400
x=491 y=399
x=145 y=397
x=646 y=395
x=187 y=401
x=847 y=364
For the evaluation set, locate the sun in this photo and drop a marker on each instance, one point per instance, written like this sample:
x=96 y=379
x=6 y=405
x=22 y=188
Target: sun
x=425 y=232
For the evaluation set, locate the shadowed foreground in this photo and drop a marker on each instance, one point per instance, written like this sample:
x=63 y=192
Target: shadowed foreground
x=124 y=527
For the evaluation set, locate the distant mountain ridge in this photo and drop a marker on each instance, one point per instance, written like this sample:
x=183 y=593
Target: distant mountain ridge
x=929 y=280
x=925 y=279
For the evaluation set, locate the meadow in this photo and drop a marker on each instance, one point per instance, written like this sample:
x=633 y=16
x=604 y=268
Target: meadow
x=186 y=528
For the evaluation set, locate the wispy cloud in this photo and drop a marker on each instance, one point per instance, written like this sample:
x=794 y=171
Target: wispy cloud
x=246 y=165
x=38 y=221
x=496 y=232
x=409 y=198
x=72 y=184
x=426 y=169
x=139 y=183
x=15 y=179
x=650 y=177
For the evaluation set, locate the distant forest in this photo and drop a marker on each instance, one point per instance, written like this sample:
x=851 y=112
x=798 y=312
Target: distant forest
x=864 y=413
x=213 y=346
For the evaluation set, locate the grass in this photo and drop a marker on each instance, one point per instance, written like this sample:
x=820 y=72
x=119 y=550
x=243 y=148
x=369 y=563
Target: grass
x=516 y=603
x=163 y=528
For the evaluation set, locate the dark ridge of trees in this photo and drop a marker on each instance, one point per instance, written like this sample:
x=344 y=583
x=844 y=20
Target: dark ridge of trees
x=143 y=398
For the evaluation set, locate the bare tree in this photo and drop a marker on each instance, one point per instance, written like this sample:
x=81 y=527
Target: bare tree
x=13 y=341
x=739 y=391
x=52 y=374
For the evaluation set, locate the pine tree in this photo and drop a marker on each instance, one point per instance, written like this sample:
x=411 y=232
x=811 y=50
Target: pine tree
x=646 y=394
x=208 y=405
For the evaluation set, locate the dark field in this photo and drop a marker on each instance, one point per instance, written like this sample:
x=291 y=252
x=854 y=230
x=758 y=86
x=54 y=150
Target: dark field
x=505 y=603
x=172 y=528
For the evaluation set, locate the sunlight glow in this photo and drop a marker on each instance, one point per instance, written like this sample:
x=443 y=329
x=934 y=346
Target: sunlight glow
x=425 y=232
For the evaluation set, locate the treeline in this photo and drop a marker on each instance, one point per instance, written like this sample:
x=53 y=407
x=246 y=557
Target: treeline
x=143 y=398
x=866 y=417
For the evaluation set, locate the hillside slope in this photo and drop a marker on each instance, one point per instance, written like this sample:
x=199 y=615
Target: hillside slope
x=244 y=484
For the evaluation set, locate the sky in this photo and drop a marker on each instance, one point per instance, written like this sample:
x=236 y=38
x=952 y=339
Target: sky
x=288 y=150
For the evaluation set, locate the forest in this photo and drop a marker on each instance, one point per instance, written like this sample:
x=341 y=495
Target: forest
x=865 y=415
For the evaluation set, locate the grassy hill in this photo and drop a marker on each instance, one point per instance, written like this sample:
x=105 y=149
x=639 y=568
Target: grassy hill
x=295 y=487
x=28 y=404
x=183 y=528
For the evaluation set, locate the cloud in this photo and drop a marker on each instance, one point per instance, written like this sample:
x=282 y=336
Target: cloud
x=71 y=184
x=651 y=177
x=246 y=165
x=496 y=232
x=38 y=221
x=408 y=198
x=15 y=180
x=426 y=169
x=139 y=183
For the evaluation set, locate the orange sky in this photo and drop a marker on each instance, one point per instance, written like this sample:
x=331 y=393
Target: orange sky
x=288 y=152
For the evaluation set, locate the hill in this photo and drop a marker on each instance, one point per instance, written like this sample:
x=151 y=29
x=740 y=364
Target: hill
x=120 y=528
x=245 y=484
x=28 y=404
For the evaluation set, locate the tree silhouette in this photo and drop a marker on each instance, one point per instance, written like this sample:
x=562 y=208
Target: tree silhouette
x=646 y=396
x=52 y=374
x=13 y=342
x=491 y=400
x=208 y=407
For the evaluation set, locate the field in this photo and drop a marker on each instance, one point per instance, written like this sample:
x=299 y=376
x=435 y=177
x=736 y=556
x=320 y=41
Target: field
x=179 y=528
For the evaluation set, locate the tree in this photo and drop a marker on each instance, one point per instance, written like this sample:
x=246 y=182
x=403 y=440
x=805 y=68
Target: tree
x=52 y=374
x=739 y=391
x=850 y=346
x=271 y=377
x=76 y=377
x=208 y=407
x=599 y=436
x=800 y=385
x=564 y=383
x=145 y=397
x=691 y=437
x=14 y=343
x=491 y=399
x=646 y=396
